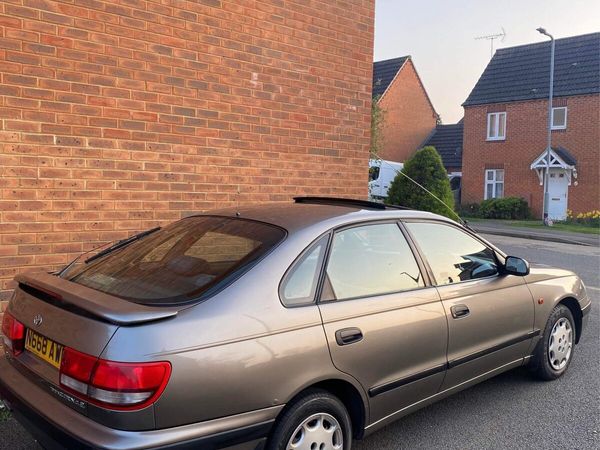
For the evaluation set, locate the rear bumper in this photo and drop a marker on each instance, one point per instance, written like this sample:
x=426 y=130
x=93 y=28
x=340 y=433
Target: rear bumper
x=59 y=427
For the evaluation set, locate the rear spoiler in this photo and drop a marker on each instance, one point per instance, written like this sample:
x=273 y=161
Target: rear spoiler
x=69 y=295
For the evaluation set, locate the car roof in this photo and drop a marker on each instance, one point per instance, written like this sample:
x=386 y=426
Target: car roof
x=295 y=217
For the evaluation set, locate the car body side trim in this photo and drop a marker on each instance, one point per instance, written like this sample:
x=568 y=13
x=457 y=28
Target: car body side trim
x=377 y=390
x=382 y=388
x=495 y=348
x=441 y=393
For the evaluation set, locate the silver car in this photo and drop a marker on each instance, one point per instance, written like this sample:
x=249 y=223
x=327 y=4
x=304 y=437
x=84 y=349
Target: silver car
x=287 y=326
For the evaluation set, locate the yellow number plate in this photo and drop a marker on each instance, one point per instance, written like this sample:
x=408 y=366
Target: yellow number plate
x=44 y=348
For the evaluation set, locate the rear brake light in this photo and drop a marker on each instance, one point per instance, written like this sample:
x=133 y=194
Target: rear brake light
x=113 y=385
x=14 y=334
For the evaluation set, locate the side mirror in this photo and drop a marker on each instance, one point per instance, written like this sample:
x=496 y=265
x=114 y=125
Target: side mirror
x=484 y=270
x=516 y=266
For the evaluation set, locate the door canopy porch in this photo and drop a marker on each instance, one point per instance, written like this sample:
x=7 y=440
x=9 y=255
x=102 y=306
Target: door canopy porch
x=560 y=158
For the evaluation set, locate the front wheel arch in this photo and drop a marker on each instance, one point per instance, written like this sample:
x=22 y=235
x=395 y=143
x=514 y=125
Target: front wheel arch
x=575 y=309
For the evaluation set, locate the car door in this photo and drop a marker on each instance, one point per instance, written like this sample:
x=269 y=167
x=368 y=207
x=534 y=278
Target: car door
x=490 y=316
x=385 y=325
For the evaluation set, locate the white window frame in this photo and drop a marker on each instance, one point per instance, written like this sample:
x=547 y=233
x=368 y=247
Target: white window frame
x=495 y=116
x=493 y=182
x=559 y=127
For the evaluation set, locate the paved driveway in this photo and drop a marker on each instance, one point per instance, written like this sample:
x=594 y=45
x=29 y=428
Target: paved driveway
x=511 y=411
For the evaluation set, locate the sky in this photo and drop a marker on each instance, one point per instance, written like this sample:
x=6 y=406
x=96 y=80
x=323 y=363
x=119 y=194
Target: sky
x=440 y=37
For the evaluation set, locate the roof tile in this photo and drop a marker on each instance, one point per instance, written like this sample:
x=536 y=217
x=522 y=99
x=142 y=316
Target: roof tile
x=522 y=72
x=448 y=141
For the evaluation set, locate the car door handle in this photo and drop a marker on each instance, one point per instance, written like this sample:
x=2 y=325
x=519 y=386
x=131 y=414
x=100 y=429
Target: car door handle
x=459 y=311
x=347 y=336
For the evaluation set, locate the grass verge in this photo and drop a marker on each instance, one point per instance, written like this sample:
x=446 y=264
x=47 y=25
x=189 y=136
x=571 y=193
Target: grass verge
x=558 y=226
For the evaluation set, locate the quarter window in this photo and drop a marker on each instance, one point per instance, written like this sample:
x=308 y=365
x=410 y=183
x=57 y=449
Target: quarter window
x=370 y=260
x=559 y=118
x=496 y=126
x=300 y=283
x=453 y=255
x=494 y=183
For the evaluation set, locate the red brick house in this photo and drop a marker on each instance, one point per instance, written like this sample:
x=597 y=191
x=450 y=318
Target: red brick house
x=505 y=127
x=409 y=114
x=118 y=116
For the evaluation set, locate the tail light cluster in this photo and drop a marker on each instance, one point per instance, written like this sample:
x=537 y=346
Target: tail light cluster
x=110 y=384
x=113 y=385
x=13 y=333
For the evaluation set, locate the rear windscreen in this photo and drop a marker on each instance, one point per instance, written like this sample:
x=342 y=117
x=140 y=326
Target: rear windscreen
x=180 y=262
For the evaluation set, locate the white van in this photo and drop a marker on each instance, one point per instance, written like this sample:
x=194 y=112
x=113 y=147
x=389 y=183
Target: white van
x=381 y=175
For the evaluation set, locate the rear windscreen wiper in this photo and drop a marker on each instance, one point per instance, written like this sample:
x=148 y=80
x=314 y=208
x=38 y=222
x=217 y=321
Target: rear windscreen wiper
x=121 y=243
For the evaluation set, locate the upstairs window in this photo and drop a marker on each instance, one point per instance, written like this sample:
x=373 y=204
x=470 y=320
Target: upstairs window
x=559 y=118
x=494 y=183
x=496 y=126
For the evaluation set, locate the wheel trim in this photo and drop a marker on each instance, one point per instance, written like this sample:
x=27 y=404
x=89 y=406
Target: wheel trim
x=319 y=431
x=560 y=344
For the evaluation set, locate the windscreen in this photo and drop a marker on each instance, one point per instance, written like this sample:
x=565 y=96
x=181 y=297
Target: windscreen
x=180 y=262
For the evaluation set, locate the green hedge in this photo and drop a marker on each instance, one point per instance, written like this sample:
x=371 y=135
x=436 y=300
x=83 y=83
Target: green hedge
x=498 y=208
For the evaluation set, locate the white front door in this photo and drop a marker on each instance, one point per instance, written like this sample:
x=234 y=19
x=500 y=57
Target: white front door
x=558 y=188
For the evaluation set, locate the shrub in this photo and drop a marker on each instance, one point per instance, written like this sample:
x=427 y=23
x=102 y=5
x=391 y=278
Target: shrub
x=426 y=168
x=468 y=210
x=504 y=208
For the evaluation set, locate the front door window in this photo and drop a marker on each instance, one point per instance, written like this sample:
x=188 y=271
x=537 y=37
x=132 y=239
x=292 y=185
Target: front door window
x=453 y=255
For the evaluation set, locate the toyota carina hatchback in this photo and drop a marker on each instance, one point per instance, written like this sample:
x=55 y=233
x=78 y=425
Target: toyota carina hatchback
x=287 y=326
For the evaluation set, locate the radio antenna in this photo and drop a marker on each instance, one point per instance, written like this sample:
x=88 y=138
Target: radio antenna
x=491 y=38
x=401 y=172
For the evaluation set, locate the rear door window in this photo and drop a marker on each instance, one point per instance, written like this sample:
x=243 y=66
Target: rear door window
x=182 y=261
x=370 y=260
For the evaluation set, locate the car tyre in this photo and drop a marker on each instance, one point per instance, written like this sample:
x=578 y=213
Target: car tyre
x=554 y=352
x=315 y=420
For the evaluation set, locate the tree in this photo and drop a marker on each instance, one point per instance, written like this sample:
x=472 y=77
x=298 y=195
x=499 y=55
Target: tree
x=426 y=168
x=377 y=121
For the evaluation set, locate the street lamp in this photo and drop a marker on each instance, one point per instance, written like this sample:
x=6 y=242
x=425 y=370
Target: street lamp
x=545 y=217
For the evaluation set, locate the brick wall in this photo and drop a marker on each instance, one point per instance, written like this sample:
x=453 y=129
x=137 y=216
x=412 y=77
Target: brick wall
x=525 y=140
x=409 y=116
x=117 y=116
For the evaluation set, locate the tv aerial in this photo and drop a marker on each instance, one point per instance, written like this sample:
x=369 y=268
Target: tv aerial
x=491 y=38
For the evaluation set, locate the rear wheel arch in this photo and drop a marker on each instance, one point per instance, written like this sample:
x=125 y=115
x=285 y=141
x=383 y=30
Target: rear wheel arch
x=575 y=309
x=348 y=394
